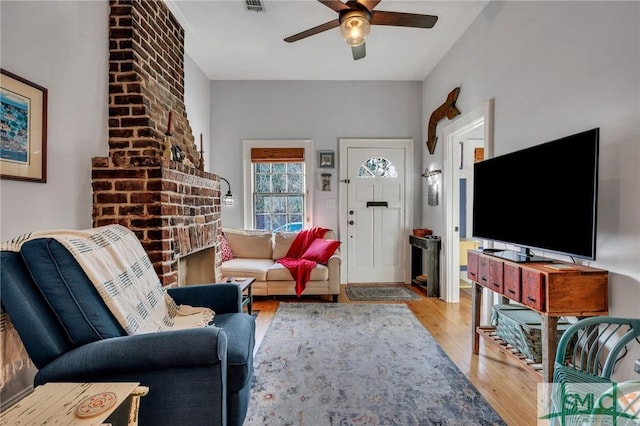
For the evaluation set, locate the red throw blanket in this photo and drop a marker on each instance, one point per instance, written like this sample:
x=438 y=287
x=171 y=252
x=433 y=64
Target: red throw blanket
x=299 y=268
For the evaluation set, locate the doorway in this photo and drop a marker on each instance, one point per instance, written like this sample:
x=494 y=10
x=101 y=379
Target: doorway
x=471 y=151
x=376 y=182
x=467 y=126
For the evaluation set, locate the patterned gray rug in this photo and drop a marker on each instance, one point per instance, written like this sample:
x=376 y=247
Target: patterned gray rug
x=380 y=293
x=358 y=364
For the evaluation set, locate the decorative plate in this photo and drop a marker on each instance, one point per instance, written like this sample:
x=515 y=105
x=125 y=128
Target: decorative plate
x=95 y=404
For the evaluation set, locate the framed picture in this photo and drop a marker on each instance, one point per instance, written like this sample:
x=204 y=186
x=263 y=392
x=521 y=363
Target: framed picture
x=326 y=159
x=326 y=181
x=23 y=129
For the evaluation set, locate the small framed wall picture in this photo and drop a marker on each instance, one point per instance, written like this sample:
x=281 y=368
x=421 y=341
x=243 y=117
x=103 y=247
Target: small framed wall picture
x=23 y=129
x=326 y=159
x=326 y=181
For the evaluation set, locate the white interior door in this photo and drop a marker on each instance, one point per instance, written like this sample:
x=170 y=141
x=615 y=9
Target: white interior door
x=376 y=215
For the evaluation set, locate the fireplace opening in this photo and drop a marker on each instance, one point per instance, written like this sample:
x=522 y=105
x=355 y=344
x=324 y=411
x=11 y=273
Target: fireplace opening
x=197 y=268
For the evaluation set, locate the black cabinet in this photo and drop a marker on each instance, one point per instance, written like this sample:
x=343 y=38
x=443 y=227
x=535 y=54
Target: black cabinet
x=432 y=246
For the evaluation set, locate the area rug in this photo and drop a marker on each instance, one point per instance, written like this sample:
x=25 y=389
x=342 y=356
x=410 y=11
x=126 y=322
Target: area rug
x=380 y=293
x=358 y=364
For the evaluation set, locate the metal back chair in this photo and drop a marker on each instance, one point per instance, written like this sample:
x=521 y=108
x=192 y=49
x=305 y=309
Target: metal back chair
x=589 y=350
x=619 y=405
x=587 y=355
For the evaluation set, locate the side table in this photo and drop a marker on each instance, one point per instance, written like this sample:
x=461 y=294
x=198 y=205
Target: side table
x=431 y=244
x=245 y=285
x=55 y=404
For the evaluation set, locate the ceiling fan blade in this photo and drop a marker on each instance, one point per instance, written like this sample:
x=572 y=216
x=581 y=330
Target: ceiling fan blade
x=369 y=4
x=336 y=5
x=313 y=31
x=400 y=19
x=358 y=52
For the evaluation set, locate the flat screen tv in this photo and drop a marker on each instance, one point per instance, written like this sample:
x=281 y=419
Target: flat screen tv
x=543 y=197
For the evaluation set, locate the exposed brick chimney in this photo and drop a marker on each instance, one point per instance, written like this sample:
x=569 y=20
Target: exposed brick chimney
x=173 y=207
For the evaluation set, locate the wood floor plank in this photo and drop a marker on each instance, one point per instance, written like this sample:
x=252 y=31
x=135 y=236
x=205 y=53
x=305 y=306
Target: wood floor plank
x=504 y=381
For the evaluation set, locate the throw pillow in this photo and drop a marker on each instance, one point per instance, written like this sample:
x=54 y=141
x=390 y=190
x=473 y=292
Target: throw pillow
x=321 y=250
x=225 y=249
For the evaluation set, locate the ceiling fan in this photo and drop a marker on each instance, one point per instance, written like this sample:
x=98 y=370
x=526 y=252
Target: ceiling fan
x=355 y=18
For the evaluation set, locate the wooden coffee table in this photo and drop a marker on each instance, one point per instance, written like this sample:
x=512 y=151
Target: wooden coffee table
x=245 y=285
x=56 y=404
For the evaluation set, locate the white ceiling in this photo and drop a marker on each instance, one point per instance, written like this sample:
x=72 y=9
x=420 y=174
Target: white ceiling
x=230 y=43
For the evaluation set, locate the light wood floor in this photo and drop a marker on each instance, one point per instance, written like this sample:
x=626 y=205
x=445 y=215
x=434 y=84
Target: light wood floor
x=503 y=381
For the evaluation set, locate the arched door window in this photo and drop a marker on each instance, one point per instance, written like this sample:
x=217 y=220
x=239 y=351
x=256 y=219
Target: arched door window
x=377 y=166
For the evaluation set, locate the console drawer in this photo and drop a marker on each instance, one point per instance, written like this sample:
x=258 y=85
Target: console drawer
x=512 y=283
x=483 y=271
x=533 y=286
x=496 y=275
x=472 y=265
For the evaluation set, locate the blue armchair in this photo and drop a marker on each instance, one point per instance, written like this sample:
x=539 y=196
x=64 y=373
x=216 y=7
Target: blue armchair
x=195 y=376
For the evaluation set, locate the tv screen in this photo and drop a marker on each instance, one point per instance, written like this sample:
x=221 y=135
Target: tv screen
x=543 y=197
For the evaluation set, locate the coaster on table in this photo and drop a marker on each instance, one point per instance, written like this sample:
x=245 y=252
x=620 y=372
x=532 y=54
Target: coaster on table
x=95 y=405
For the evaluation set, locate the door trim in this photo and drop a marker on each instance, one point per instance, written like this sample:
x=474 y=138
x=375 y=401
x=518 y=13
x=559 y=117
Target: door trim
x=410 y=175
x=452 y=133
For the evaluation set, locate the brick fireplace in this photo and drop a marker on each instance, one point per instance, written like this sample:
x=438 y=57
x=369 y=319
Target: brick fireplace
x=172 y=206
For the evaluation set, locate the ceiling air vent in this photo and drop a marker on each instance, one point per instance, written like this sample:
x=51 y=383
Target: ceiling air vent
x=254 y=5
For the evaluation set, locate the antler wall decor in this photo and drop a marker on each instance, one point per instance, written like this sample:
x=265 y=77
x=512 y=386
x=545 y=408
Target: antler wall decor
x=447 y=109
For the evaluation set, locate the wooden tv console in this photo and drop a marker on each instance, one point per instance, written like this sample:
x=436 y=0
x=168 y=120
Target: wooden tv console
x=578 y=290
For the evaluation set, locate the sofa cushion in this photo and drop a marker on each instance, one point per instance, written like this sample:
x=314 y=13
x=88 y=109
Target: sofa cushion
x=321 y=250
x=251 y=268
x=279 y=272
x=281 y=243
x=69 y=292
x=249 y=243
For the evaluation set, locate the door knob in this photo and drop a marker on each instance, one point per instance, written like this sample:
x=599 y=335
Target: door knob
x=351 y=222
x=350 y=211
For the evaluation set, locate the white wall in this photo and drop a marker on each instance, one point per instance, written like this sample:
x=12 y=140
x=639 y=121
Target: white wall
x=322 y=111
x=62 y=46
x=197 y=100
x=557 y=68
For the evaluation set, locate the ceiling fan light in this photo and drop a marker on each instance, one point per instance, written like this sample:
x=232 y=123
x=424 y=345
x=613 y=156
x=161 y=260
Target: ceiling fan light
x=355 y=29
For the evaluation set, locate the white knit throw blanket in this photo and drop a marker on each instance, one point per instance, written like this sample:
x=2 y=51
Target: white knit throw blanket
x=119 y=268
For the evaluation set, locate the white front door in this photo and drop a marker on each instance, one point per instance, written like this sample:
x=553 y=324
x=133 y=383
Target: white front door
x=376 y=203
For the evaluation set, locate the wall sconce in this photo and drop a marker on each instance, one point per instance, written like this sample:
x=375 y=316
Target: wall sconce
x=228 y=199
x=433 y=187
x=431 y=173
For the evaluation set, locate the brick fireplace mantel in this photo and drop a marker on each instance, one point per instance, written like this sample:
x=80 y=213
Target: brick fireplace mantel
x=173 y=208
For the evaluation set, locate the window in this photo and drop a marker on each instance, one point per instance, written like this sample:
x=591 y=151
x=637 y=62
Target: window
x=278 y=198
x=377 y=166
x=277 y=178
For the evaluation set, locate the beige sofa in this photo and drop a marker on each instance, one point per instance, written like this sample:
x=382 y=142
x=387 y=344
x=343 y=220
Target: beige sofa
x=255 y=253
